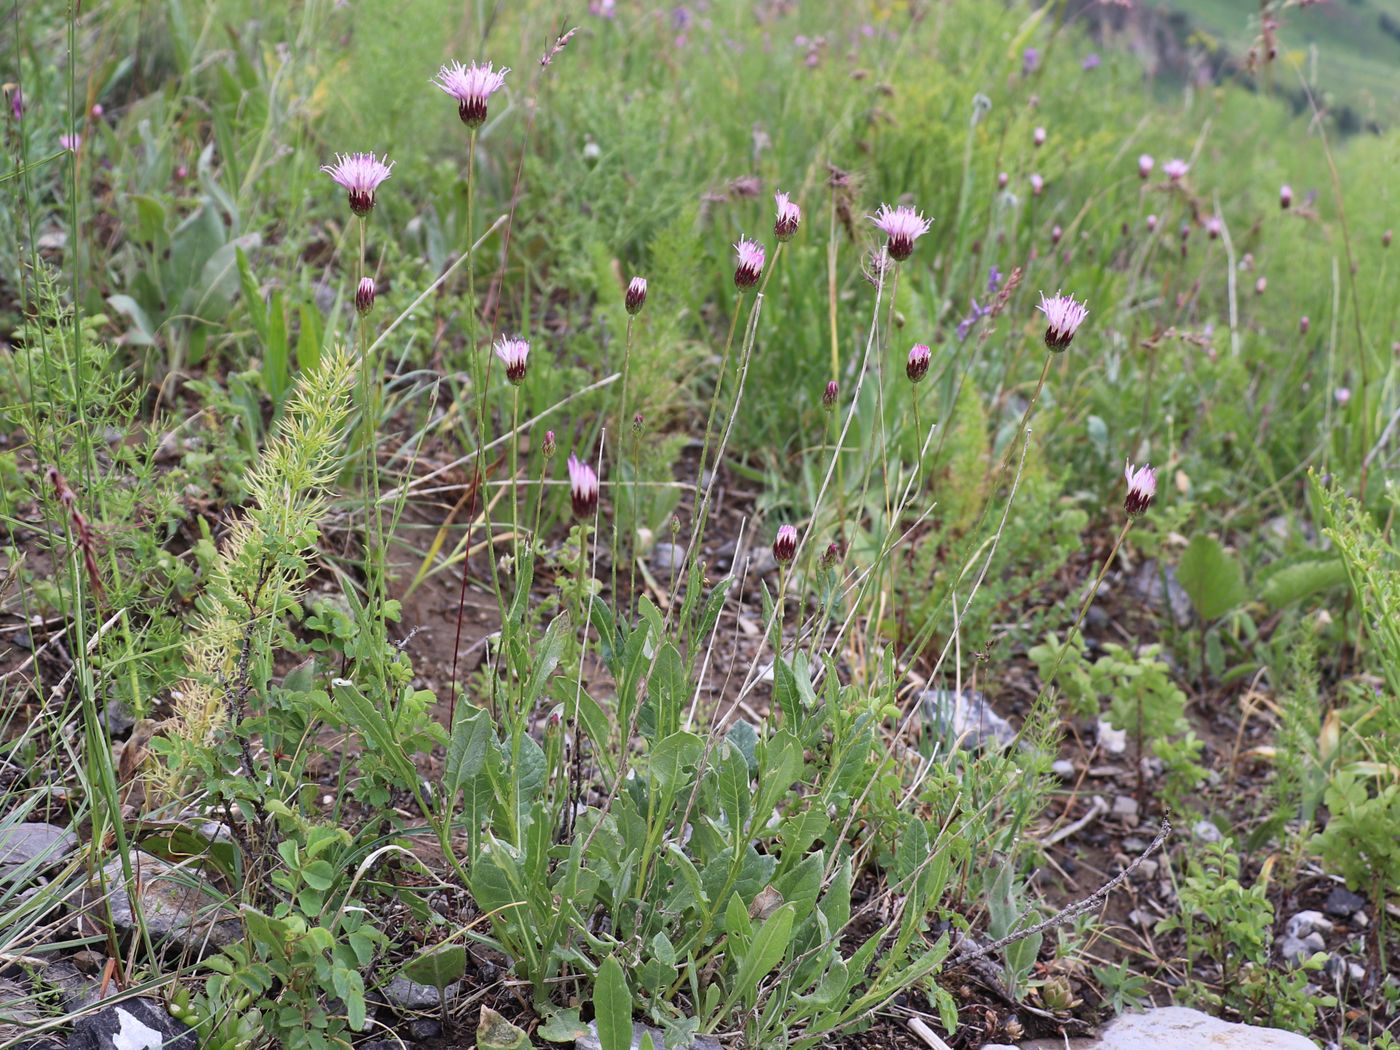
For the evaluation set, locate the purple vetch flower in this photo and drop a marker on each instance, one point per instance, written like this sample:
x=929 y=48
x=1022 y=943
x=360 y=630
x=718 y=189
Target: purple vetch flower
x=1145 y=163
x=785 y=544
x=978 y=312
x=1285 y=196
x=583 y=487
x=1037 y=184
x=903 y=226
x=636 y=295
x=789 y=217
x=360 y=174
x=993 y=279
x=547 y=449
x=829 y=395
x=750 y=265
x=364 y=296
x=471 y=86
x=70 y=142
x=1342 y=395
x=1303 y=325
x=1063 y=316
x=1176 y=169
x=1213 y=227
x=1142 y=487
x=515 y=355
x=1002 y=180
x=1030 y=61
x=917 y=365
x=1091 y=61
x=1038 y=137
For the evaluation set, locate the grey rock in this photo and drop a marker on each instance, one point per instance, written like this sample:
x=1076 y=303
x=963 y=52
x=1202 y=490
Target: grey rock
x=17 y=1009
x=177 y=904
x=1205 y=831
x=667 y=557
x=1341 y=903
x=1171 y=598
x=965 y=719
x=1345 y=971
x=1147 y=870
x=1178 y=1028
x=591 y=1042
x=1063 y=768
x=1299 y=950
x=24 y=843
x=404 y=994
x=133 y=1024
x=1307 y=922
x=1113 y=741
x=117 y=718
x=1125 y=808
x=425 y=1028
x=76 y=990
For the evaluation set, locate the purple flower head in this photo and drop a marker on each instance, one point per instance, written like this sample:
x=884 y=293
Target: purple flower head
x=903 y=226
x=1145 y=163
x=789 y=217
x=636 y=295
x=829 y=395
x=1342 y=395
x=70 y=142
x=831 y=554
x=583 y=487
x=360 y=174
x=1091 y=61
x=1037 y=184
x=1213 y=227
x=1151 y=223
x=1063 y=316
x=1030 y=61
x=993 y=279
x=1002 y=180
x=785 y=545
x=16 y=104
x=515 y=355
x=1038 y=137
x=471 y=86
x=547 y=449
x=917 y=365
x=603 y=8
x=364 y=296
x=96 y=111
x=1303 y=325
x=1176 y=169
x=1142 y=486
x=1285 y=196
x=1261 y=286
x=750 y=254
x=1056 y=233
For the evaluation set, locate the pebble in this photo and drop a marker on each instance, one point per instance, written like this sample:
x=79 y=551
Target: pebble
x=1341 y=903
x=1178 y=1028
x=133 y=1024
x=639 y=1030
x=1306 y=922
x=667 y=557
x=1063 y=768
x=176 y=903
x=1345 y=971
x=1206 y=831
x=965 y=719
x=1125 y=807
x=23 y=843
x=1113 y=741
x=405 y=994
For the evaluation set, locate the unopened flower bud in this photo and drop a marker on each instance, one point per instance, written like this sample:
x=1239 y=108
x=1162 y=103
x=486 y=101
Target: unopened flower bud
x=637 y=423
x=548 y=447
x=916 y=367
x=829 y=397
x=364 y=296
x=636 y=295
x=1003 y=180
x=1285 y=196
x=785 y=545
x=1303 y=324
x=831 y=554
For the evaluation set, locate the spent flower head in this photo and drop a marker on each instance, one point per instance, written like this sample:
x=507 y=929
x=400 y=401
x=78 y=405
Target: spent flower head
x=1142 y=486
x=903 y=226
x=789 y=217
x=360 y=174
x=515 y=355
x=472 y=86
x=1063 y=316
x=750 y=266
x=583 y=487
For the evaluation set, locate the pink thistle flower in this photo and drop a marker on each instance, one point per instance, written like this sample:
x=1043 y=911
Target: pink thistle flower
x=829 y=395
x=1285 y=196
x=750 y=263
x=1145 y=163
x=1037 y=184
x=1303 y=325
x=1142 y=487
x=789 y=217
x=1003 y=180
x=903 y=226
x=96 y=111
x=917 y=365
x=1176 y=169
x=547 y=449
x=785 y=545
x=1342 y=395
x=1038 y=138
x=583 y=487
x=1056 y=233
x=1213 y=227
x=1151 y=223
x=514 y=354
x=1063 y=316
x=636 y=295
x=360 y=174
x=1261 y=286
x=364 y=296
x=831 y=554
x=471 y=86
x=70 y=142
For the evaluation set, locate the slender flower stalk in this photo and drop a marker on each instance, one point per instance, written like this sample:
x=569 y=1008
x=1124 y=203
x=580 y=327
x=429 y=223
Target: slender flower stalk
x=633 y=302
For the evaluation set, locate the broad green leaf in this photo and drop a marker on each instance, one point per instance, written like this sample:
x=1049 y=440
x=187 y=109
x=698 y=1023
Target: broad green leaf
x=1293 y=583
x=472 y=734
x=612 y=1006
x=546 y=656
x=1213 y=579
x=494 y=1032
x=765 y=952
